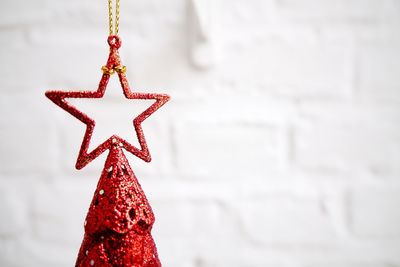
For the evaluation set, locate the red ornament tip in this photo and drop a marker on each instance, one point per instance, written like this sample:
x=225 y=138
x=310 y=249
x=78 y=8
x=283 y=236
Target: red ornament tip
x=114 y=41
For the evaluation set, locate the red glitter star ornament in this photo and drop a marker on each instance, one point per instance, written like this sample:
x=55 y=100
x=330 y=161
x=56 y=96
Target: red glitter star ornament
x=113 y=65
x=119 y=221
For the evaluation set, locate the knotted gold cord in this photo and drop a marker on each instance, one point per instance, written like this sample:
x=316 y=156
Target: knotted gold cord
x=113 y=31
x=111 y=18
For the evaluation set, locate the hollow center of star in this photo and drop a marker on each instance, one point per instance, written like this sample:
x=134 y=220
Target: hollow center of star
x=113 y=114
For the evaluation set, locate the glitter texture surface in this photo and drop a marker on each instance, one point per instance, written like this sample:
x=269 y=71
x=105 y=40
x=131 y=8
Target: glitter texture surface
x=118 y=224
x=119 y=220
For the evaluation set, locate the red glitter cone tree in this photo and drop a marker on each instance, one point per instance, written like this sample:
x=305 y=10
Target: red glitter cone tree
x=118 y=224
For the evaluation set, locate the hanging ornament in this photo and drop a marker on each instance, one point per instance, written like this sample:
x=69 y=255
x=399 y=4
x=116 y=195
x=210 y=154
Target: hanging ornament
x=119 y=221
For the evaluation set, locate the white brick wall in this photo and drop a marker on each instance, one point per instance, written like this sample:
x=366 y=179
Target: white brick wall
x=285 y=153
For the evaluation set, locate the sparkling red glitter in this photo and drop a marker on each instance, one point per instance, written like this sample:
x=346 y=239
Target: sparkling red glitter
x=118 y=224
x=119 y=221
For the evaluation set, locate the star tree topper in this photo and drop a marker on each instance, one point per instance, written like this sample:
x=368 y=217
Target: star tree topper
x=113 y=66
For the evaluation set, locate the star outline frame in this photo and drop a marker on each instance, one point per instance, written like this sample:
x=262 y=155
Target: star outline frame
x=113 y=62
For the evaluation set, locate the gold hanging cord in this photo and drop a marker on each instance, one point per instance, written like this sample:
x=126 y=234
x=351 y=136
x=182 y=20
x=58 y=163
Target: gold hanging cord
x=113 y=31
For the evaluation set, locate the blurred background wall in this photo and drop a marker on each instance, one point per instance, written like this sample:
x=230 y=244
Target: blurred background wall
x=280 y=146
